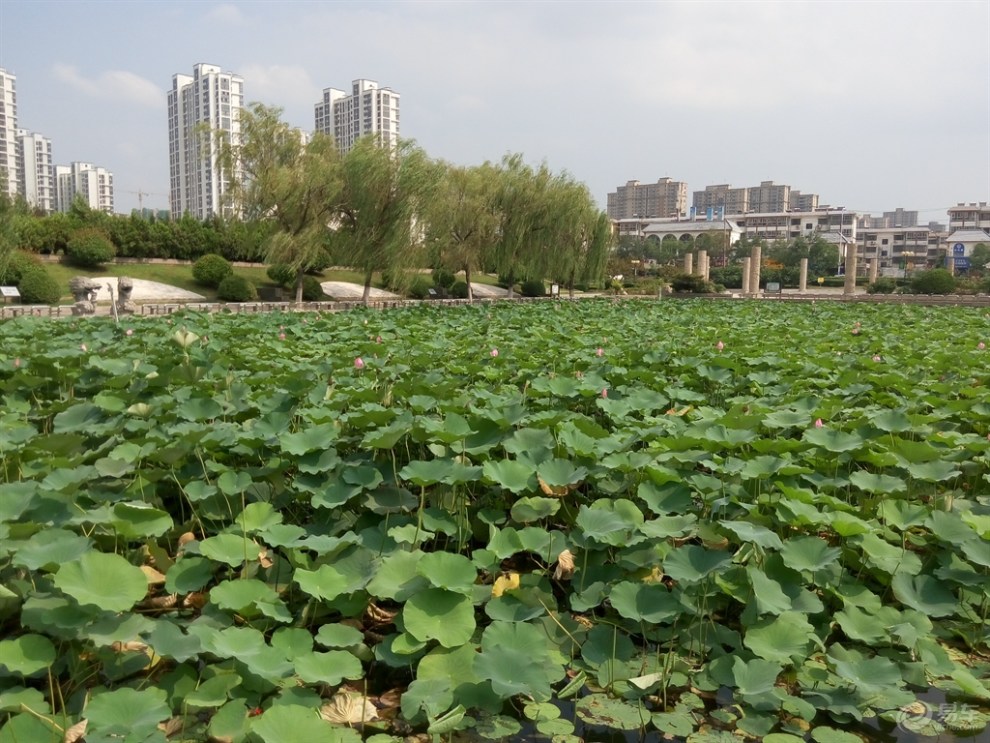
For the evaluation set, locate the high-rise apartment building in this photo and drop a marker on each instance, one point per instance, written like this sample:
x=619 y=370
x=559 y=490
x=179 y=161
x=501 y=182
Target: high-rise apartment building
x=34 y=154
x=93 y=184
x=721 y=197
x=665 y=198
x=10 y=171
x=200 y=106
x=369 y=109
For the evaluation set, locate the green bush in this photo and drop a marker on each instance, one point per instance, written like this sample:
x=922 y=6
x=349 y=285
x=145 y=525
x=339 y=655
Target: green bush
x=211 y=270
x=533 y=288
x=685 y=282
x=281 y=274
x=443 y=278
x=936 y=281
x=37 y=286
x=89 y=248
x=16 y=265
x=312 y=290
x=459 y=290
x=419 y=288
x=883 y=285
x=236 y=288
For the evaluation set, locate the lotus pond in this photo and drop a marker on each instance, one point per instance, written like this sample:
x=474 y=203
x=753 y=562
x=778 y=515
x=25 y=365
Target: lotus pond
x=710 y=521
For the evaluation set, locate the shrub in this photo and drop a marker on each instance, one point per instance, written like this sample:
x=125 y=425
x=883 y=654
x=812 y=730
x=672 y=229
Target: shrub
x=444 y=278
x=16 y=265
x=38 y=287
x=281 y=274
x=691 y=284
x=532 y=288
x=211 y=270
x=419 y=288
x=883 y=285
x=89 y=248
x=312 y=290
x=936 y=281
x=459 y=290
x=236 y=288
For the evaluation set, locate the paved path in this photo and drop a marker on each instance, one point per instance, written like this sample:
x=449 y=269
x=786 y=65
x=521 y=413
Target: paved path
x=347 y=290
x=146 y=290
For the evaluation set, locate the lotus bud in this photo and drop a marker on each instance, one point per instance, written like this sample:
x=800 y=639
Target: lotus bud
x=359 y=363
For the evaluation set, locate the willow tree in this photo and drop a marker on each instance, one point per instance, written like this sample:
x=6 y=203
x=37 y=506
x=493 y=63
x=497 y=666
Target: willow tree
x=462 y=220
x=293 y=184
x=383 y=193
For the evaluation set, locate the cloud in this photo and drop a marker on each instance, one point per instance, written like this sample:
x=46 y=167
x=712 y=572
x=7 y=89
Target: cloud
x=226 y=14
x=288 y=85
x=113 y=85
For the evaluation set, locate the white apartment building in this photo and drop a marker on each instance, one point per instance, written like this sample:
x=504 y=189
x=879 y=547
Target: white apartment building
x=974 y=215
x=208 y=99
x=34 y=153
x=368 y=109
x=10 y=171
x=665 y=198
x=93 y=184
x=898 y=249
x=790 y=224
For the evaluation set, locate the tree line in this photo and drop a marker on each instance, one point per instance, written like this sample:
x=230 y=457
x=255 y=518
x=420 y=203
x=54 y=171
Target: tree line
x=374 y=209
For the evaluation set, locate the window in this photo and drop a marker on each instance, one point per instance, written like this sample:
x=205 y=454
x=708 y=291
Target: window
x=884 y=241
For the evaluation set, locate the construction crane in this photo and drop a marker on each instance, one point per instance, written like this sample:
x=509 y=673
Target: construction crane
x=141 y=194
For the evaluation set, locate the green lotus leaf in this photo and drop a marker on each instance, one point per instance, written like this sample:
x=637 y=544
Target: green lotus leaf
x=397 y=576
x=441 y=615
x=292 y=723
x=258 y=516
x=338 y=636
x=785 y=638
x=199 y=409
x=768 y=595
x=28 y=727
x=515 y=659
x=80 y=417
x=925 y=594
x=249 y=597
x=314 y=438
x=213 y=692
x=834 y=441
x=231 y=549
x=450 y=571
x=937 y=471
x=809 y=554
x=326 y=582
x=754 y=533
x=169 y=641
x=642 y=602
x=881 y=484
x=611 y=522
x=27 y=654
x=536 y=508
x=866 y=675
x=755 y=677
x=428 y=472
x=558 y=473
x=104 y=580
x=510 y=474
x=616 y=714
x=127 y=712
x=13 y=699
x=49 y=548
x=691 y=563
x=329 y=668
x=134 y=520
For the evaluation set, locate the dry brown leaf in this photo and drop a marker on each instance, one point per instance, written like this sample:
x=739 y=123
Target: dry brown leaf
x=348 y=709
x=128 y=647
x=154 y=577
x=379 y=616
x=168 y=601
x=505 y=583
x=172 y=726
x=655 y=576
x=390 y=699
x=186 y=539
x=195 y=600
x=76 y=732
x=557 y=492
x=264 y=560
x=565 y=566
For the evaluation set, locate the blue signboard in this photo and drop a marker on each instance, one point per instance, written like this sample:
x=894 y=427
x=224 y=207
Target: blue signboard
x=958 y=249
x=962 y=264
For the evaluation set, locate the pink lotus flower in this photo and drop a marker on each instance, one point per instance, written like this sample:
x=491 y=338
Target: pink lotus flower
x=359 y=363
x=877 y=357
x=494 y=353
x=599 y=352
x=605 y=394
x=818 y=423
x=378 y=339
x=129 y=332
x=281 y=336
x=855 y=331
x=981 y=345
x=17 y=363
x=719 y=346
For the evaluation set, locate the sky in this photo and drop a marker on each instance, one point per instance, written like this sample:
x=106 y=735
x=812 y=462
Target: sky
x=871 y=105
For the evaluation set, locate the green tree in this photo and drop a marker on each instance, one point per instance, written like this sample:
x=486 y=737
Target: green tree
x=823 y=257
x=294 y=186
x=384 y=192
x=462 y=220
x=979 y=259
x=9 y=232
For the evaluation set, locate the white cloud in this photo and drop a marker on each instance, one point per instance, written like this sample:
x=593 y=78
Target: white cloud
x=288 y=86
x=226 y=14
x=114 y=85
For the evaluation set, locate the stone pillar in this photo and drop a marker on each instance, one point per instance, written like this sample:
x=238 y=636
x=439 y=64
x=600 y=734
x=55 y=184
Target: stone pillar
x=755 y=267
x=803 y=281
x=702 y=259
x=874 y=269
x=689 y=263
x=746 y=271
x=849 y=287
